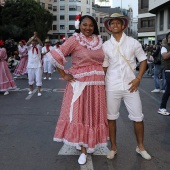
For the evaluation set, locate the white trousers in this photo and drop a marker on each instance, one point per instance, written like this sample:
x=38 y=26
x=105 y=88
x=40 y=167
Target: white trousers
x=132 y=102
x=48 y=67
x=35 y=74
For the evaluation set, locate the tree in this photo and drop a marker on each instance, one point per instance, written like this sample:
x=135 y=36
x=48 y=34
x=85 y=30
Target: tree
x=20 y=18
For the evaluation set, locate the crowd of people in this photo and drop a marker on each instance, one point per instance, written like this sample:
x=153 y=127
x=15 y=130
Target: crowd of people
x=102 y=74
x=23 y=58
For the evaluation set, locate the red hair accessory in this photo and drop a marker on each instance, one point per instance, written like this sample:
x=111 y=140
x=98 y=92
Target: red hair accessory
x=23 y=41
x=1 y=42
x=77 y=22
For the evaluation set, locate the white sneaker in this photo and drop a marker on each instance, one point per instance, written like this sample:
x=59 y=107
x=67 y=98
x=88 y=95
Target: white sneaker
x=82 y=159
x=155 y=91
x=6 y=93
x=30 y=92
x=111 y=154
x=163 y=112
x=45 y=78
x=144 y=153
x=39 y=94
x=163 y=91
x=49 y=78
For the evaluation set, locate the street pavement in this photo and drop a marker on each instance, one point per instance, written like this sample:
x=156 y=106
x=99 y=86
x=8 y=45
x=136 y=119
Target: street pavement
x=27 y=125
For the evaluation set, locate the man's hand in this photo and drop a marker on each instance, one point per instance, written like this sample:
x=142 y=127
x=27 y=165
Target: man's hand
x=134 y=85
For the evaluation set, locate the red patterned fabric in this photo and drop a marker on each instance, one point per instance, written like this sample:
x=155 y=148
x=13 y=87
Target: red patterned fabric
x=21 y=69
x=89 y=126
x=6 y=80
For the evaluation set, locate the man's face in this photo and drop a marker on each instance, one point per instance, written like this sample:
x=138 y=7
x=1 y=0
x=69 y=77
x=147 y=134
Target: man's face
x=116 y=26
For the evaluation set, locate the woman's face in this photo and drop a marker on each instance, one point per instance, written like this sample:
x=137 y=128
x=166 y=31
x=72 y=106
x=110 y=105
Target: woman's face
x=87 y=27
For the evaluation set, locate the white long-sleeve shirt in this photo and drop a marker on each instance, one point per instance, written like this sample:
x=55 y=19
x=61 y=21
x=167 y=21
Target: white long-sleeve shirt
x=119 y=74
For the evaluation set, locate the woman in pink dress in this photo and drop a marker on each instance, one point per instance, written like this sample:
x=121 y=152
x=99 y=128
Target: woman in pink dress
x=6 y=80
x=21 y=69
x=83 y=121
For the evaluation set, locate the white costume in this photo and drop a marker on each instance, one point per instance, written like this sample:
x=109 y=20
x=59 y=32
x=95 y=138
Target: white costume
x=34 y=65
x=48 y=67
x=119 y=74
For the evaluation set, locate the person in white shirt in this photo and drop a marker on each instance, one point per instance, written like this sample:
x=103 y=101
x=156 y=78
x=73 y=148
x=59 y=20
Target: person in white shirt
x=34 y=66
x=119 y=65
x=48 y=67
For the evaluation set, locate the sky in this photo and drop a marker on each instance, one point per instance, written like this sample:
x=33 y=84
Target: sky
x=124 y=3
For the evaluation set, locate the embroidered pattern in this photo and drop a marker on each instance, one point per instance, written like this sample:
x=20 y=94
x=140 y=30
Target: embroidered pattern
x=94 y=44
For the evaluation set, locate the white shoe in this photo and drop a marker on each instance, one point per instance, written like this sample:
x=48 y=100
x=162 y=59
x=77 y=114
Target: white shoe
x=49 y=78
x=30 y=92
x=45 y=78
x=6 y=93
x=39 y=94
x=163 y=112
x=111 y=154
x=163 y=91
x=155 y=91
x=144 y=153
x=82 y=159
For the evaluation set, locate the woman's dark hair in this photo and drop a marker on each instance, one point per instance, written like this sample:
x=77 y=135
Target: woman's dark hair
x=167 y=35
x=96 y=30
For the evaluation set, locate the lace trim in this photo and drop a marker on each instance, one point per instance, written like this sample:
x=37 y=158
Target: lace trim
x=61 y=54
x=89 y=150
x=95 y=44
x=54 y=62
x=95 y=83
x=88 y=74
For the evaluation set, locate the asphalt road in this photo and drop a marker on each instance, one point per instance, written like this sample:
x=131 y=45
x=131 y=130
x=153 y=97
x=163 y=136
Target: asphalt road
x=27 y=125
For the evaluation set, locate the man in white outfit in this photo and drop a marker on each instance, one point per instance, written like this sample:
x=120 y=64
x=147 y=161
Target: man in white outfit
x=34 y=66
x=119 y=65
x=48 y=67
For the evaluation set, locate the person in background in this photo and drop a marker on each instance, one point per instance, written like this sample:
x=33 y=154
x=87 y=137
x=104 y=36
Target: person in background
x=21 y=69
x=48 y=67
x=121 y=82
x=6 y=80
x=165 y=51
x=82 y=122
x=34 y=66
x=156 y=53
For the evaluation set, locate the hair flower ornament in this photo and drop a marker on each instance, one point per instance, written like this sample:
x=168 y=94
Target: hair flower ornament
x=77 y=21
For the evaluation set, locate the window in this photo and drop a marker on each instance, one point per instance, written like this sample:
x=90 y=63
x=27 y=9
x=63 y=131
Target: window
x=49 y=6
x=88 y=10
x=62 y=17
x=55 y=0
x=71 y=27
x=144 y=4
x=54 y=8
x=72 y=17
x=62 y=27
x=43 y=5
x=62 y=7
x=54 y=27
x=144 y=23
x=168 y=18
x=161 y=19
x=74 y=8
x=151 y=23
x=101 y=20
x=96 y=19
x=54 y=18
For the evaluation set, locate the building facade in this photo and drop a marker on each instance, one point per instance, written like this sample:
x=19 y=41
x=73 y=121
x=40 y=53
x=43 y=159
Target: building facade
x=162 y=11
x=64 y=14
x=146 y=23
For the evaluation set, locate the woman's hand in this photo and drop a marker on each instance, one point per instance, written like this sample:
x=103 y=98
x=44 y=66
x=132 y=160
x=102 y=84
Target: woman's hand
x=69 y=77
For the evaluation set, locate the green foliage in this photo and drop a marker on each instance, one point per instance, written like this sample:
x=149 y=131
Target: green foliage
x=22 y=17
